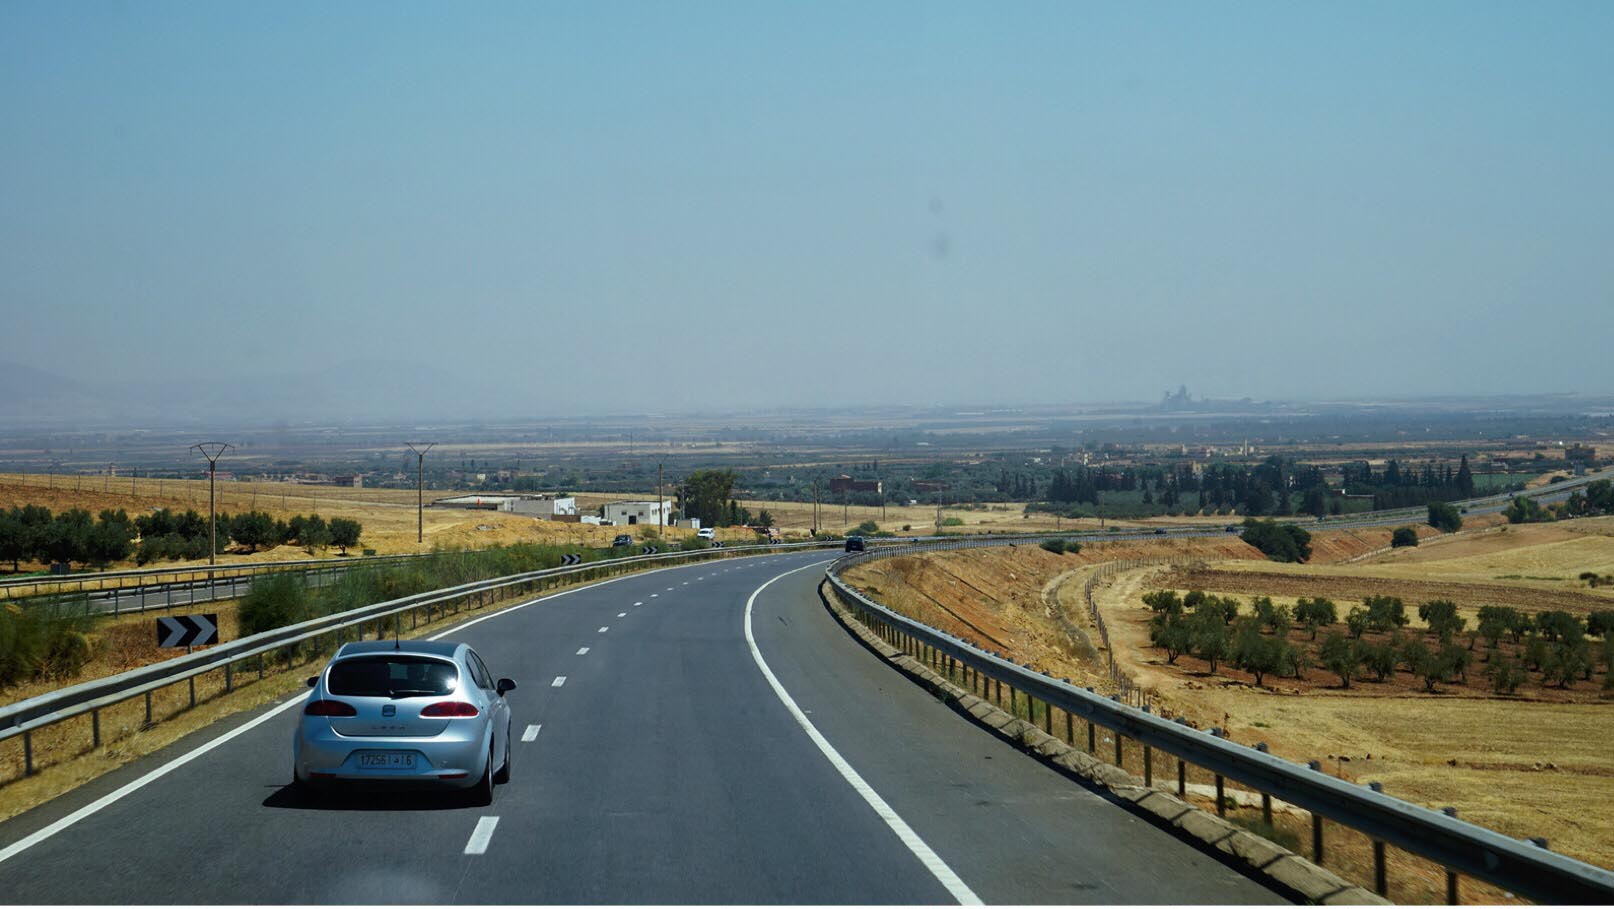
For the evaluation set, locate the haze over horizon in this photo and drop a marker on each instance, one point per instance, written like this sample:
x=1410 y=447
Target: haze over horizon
x=638 y=208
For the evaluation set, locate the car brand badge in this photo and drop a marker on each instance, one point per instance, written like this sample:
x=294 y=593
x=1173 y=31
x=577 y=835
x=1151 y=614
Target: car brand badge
x=389 y=710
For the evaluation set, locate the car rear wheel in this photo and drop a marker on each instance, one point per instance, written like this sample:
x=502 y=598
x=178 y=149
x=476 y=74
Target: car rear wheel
x=503 y=776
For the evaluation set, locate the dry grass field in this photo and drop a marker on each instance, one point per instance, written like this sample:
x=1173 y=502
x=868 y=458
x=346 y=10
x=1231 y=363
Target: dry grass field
x=1536 y=764
x=388 y=515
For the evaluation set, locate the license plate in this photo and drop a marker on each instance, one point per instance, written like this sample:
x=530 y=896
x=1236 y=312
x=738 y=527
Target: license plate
x=387 y=760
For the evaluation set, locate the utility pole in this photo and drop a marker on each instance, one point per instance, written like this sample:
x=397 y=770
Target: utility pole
x=846 y=508
x=815 y=506
x=420 y=486
x=661 y=515
x=212 y=451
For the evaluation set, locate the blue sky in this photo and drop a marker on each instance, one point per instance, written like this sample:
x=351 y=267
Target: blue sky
x=808 y=204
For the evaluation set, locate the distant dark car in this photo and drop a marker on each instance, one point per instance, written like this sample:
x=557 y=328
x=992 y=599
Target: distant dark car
x=1231 y=529
x=622 y=539
x=854 y=544
x=1160 y=531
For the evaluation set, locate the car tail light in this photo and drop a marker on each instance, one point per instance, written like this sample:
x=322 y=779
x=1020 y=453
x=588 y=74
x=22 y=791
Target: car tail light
x=329 y=708
x=450 y=709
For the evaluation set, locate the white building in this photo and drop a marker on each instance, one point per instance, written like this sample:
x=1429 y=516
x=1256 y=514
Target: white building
x=647 y=512
x=545 y=508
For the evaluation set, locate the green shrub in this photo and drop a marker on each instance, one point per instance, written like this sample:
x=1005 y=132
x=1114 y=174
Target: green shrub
x=1057 y=547
x=1403 y=536
x=48 y=638
x=274 y=602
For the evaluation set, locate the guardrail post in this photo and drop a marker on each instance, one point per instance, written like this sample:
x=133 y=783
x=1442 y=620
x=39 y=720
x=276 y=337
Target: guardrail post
x=1117 y=734
x=1221 y=806
x=1451 y=876
x=95 y=727
x=148 y=708
x=1148 y=766
x=1092 y=737
x=27 y=754
x=115 y=592
x=229 y=678
x=1381 y=885
x=1014 y=703
x=1182 y=778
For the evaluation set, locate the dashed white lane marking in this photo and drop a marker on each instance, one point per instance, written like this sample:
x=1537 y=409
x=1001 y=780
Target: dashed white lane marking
x=532 y=732
x=685 y=584
x=582 y=650
x=641 y=602
x=621 y=615
x=559 y=681
x=927 y=857
x=604 y=628
x=655 y=595
x=669 y=588
x=481 y=836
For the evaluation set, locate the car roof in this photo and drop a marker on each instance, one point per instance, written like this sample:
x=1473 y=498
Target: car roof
x=418 y=648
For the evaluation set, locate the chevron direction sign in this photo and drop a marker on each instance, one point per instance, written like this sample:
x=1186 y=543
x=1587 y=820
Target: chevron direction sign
x=188 y=630
x=647 y=550
x=570 y=558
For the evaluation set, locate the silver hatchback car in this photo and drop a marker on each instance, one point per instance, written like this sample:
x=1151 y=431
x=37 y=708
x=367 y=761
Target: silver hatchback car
x=421 y=712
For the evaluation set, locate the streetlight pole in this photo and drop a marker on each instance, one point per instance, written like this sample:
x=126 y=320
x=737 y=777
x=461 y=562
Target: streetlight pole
x=212 y=451
x=420 y=486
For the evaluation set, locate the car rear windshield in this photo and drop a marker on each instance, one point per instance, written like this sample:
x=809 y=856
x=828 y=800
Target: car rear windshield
x=392 y=675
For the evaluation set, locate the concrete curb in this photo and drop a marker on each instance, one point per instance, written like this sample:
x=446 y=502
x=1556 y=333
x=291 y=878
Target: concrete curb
x=1258 y=857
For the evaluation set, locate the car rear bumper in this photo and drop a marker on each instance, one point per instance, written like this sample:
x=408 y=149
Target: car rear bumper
x=451 y=759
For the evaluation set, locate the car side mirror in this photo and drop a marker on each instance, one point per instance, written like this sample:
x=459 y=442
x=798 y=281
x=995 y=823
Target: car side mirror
x=504 y=685
x=313 y=680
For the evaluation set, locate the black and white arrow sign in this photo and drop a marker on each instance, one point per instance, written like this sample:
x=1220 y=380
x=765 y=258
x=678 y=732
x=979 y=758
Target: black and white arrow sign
x=570 y=558
x=188 y=630
x=648 y=550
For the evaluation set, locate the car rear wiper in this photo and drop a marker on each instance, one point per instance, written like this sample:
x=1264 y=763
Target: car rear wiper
x=409 y=692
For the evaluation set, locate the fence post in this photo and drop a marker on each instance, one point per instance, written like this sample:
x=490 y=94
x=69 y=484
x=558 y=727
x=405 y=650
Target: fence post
x=1451 y=876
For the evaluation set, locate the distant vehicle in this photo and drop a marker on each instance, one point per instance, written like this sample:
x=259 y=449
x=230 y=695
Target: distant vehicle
x=622 y=539
x=416 y=712
x=1231 y=529
x=854 y=544
x=1160 y=531
x=707 y=533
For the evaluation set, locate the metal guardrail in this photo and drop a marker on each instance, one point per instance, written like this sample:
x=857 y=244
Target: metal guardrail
x=24 y=717
x=82 y=580
x=1525 y=868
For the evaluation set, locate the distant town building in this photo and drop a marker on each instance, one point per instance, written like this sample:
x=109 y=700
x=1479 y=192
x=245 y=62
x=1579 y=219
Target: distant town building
x=844 y=483
x=646 y=512
x=1580 y=453
x=355 y=481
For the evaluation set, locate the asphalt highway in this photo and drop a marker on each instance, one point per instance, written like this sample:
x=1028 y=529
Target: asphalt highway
x=700 y=734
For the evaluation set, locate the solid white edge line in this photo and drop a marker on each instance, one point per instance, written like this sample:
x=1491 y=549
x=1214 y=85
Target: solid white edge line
x=927 y=856
x=482 y=835
x=57 y=826
x=532 y=732
x=45 y=833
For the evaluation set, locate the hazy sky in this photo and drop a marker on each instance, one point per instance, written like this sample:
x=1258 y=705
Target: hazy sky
x=804 y=204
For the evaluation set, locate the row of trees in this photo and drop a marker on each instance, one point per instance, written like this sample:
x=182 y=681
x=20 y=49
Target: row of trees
x=32 y=534
x=1396 y=487
x=1554 y=644
x=1596 y=499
